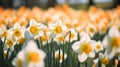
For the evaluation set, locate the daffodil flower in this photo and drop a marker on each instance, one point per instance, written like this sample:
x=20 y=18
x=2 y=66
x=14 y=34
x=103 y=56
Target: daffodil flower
x=30 y=56
x=60 y=58
x=84 y=48
x=10 y=42
x=73 y=35
x=111 y=42
x=58 y=28
x=59 y=38
x=34 y=28
x=102 y=28
x=17 y=31
x=91 y=29
x=3 y=31
x=104 y=59
x=98 y=46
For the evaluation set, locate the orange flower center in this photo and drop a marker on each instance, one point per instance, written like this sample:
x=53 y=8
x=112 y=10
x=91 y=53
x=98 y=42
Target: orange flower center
x=115 y=42
x=33 y=57
x=104 y=61
x=34 y=29
x=58 y=29
x=17 y=33
x=86 y=48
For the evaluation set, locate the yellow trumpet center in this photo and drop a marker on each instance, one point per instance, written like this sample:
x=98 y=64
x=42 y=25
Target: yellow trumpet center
x=44 y=38
x=19 y=63
x=33 y=57
x=115 y=42
x=86 y=48
x=72 y=35
x=5 y=34
x=34 y=29
x=17 y=33
x=10 y=43
x=21 y=40
x=91 y=30
x=58 y=29
x=104 y=61
x=98 y=46
x=61 y=38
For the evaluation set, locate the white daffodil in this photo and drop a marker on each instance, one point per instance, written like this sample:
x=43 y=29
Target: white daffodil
x=104 y=59
x=84 y=48
x=111 y=42
x=98 y=46
x=95 y=62
x=45 y=35
x=17 y=31
x=10 y=41
x=58 y=28
x=3 y=31
x=30 y=56
x=59 y=38
x=44 y=39
x=73 y=35
x=102 y=28
x=34 y=28
x=91 y=29
x=60 y=58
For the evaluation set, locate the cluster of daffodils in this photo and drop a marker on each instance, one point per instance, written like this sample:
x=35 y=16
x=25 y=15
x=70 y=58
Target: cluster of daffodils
x=59 y=37
x=56 y=45
x=92 y=20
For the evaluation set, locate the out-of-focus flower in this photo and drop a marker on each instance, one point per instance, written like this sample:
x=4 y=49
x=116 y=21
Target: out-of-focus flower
x=60 y=58
x=10 y=41
x=72 y=36
x=5 y=53
x=30 y=56
x=111 y=42
x=98 y=46
x=91 y=29
x=59 y=38
x=3 y=31
x=84 y=48
x=102 y=27
x=95 y=61
x=104 y=59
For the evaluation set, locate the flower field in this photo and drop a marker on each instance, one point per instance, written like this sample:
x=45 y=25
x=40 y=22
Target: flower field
x=59 y=37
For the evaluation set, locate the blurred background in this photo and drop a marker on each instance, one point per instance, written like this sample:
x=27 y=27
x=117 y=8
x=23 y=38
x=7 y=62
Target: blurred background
x=77 y=4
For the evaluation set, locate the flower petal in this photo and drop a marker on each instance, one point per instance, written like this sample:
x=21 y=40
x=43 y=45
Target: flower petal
x=76 y=46
x=82 y=57
x=105 y=41
x=85 y=38
x=91 y=54
x=113 y=32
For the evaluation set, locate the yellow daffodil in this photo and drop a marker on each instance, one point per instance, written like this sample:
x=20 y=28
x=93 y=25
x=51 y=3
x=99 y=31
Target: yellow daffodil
x=84 y=48
x=60 y=58
x=30 y=56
